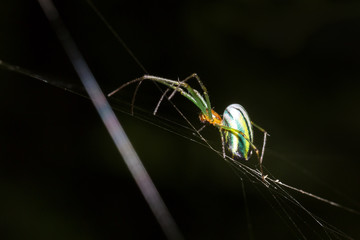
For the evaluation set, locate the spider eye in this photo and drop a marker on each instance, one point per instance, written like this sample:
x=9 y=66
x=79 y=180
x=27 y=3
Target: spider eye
x=236 y=117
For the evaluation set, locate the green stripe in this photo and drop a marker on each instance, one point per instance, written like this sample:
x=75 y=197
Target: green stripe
x=236 y=143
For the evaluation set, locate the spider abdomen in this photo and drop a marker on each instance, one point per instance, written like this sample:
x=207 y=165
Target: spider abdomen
x=236 y=118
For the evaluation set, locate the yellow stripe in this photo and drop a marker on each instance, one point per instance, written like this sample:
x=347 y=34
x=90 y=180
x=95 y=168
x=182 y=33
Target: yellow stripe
x=246 y=132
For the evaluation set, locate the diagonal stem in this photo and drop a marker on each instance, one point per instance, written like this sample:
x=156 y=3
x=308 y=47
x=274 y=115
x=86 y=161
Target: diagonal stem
x=112 y=124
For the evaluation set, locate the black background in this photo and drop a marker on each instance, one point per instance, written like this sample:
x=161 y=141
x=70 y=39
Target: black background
x=294 y=65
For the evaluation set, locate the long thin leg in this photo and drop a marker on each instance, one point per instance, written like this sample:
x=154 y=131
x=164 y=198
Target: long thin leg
x=164 y=81
x=134 y=96
x=222 y=143
x=162 y=97
x=180 y=86
x=204 y=105
x=260 y=128
x=206 y=95
x=176 y=89
x=200 y=129
x=263 y=148
x=171 y=95
x=237 y=132
x=192 y=94
x=264 y=142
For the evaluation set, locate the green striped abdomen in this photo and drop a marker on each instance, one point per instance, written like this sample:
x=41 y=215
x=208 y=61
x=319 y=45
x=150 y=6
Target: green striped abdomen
x=237 y=118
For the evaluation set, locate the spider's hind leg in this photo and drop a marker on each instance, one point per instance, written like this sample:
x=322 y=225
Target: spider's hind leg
x=264 y=142
x=222 y=144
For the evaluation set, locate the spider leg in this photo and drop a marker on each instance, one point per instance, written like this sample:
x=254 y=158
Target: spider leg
x=191 y=94
x=223 y=144
x=264 y=141
x=237 y=132
x=260 y=159
x=175 y=89
x=200 y=129
x=185 y=85
x=205 y=92
x=124 y=85
x=139 y=80
x=178 y=86
x=162 y=97
x=134 y=96
x=263 y=148
x=182 y=87
x=260 y=128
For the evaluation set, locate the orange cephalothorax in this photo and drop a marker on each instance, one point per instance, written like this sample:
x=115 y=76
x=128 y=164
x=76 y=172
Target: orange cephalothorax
x=215 y=120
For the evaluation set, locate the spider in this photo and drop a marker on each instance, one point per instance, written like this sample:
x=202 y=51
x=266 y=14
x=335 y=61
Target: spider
x=235 y=126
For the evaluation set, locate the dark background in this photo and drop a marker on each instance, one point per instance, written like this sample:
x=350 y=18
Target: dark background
x=292 y=64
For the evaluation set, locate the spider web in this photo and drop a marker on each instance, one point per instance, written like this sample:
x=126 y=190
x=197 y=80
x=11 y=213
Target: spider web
x=291 y=213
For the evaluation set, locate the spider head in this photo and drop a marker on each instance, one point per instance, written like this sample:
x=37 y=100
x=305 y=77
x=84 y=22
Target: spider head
x=215 y=120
